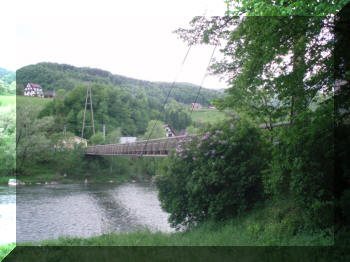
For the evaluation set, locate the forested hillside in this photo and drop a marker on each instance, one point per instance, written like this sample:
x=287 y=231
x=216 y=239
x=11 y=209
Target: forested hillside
x=53 y=76
x=7 y=82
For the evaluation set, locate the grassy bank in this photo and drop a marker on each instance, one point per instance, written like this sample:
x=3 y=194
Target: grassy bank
x=207 y=115
x=28 y=100
x=7 y=100
x=43 y=178
x=273 y=224
x=5 y=179
x=5 y=250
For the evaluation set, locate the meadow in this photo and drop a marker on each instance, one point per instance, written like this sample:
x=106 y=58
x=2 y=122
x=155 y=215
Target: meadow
x=40 y=102
x=208 y=115
x=7 y=100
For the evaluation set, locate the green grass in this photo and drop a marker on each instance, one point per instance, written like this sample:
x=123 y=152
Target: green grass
x=208 y=116
x=40 y=102
x=273 y=224
x=5 y=179
x=7 y=100
x=5 y=250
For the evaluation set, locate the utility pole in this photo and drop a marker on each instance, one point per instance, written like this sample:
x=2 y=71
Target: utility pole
x=88 y=97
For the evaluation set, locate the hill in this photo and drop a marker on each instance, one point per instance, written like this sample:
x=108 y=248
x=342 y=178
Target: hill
x=53 y=76
x=7 y=82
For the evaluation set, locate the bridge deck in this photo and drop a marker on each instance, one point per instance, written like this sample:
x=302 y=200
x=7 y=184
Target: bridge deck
x=159 y=147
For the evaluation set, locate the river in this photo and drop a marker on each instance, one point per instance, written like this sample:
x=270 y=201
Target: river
x=81 y=210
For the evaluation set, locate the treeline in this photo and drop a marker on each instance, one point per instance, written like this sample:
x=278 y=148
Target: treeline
x=114 y=108
x=41 y=155
x=7 y=82
x=7 y=139
x=43 y=126
x=53 y=76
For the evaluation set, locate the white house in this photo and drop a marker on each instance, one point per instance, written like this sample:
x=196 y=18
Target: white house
x=169 y=131
x=33 y=90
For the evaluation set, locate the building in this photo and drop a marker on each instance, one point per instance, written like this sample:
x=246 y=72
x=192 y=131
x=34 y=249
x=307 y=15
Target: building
x=196 y=106
x=169 y=131
x=70 y=142
x=33 y=90
x=127 y=139
x=49 y=94
x=211 y=107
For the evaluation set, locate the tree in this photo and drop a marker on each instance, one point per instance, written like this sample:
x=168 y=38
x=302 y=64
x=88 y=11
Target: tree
x=284 y=7
x=7 y=139
x=32 y=136
x=155 y=129
x=274 y=65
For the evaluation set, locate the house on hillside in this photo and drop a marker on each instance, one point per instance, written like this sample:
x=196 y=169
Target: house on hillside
x=196 y=106
x=70 y=142
x=32 y=89
x=169 y=132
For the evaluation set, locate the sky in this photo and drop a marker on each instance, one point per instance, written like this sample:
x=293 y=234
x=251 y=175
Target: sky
x=130 y=38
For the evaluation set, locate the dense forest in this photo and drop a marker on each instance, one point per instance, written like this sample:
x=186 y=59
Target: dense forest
x=7 y=82
x=53 y=76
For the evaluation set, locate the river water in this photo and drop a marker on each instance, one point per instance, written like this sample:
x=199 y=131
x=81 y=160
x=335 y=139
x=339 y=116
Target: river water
x=7 y=214
x=83 y=210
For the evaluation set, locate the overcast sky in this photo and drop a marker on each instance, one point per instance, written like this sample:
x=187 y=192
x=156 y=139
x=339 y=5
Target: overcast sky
x=131 y=38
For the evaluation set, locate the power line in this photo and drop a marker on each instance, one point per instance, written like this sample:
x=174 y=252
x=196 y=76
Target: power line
x=205 y=75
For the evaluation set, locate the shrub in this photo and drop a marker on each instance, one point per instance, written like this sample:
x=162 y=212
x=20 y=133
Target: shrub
x=303 y=165
x=215 y=175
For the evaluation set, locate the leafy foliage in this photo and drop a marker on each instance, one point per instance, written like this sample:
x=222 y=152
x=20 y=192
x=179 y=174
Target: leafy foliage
x=284 y=7
x=7 y=82
x=215 y=175
x=303 y=164
x=7 y=139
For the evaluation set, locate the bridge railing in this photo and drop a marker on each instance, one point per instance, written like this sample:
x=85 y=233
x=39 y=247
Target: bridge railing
x=152 y=147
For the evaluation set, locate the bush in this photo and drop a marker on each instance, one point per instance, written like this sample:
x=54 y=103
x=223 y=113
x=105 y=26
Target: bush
x=215 y=175
x=303 y=165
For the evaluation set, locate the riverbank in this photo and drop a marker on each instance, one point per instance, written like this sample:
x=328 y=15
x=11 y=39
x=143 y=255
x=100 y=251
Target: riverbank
x=273 y=224
x=6 y=249
x=42 y=179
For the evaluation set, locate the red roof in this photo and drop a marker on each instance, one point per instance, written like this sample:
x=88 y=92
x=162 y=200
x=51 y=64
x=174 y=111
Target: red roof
x=35 y=85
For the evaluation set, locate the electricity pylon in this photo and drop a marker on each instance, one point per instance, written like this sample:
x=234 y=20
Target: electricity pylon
x=88 y=95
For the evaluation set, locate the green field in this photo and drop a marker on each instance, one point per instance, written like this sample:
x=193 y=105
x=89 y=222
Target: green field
x=7 y=100
x=208 y=115
x=40 y=102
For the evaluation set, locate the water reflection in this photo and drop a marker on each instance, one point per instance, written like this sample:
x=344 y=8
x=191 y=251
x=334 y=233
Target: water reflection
x=7 y=214
x=51 y=211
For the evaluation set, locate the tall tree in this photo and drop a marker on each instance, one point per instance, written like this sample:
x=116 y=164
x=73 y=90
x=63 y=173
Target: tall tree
x=275 y=65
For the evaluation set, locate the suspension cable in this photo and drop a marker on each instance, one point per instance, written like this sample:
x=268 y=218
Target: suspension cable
x=205 y=75
x=166 y=100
